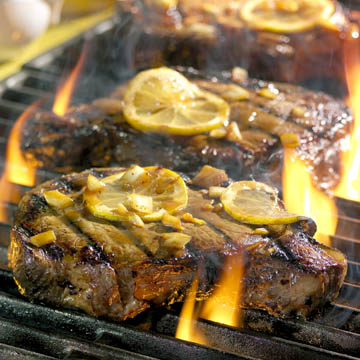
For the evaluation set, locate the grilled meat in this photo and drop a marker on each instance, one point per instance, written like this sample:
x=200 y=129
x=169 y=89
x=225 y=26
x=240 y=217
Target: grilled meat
x=98 y=135
x=212 y=35
x=117 y=270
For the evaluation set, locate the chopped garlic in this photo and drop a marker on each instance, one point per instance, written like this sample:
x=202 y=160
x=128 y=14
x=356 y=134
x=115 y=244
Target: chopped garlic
x=239 y=74
x=268 y=93
x=189 y=218
x=94 y=184
x=44 y=238
x=216 y=191
x=133 y=174
x=57 y=199
x=261 y=231
x=122 y=210
x=209 y=176
x=235 y=93
x=218 y=133
x=290 y=140
x=173 y=221
x=176 y=240
x=234 y=133
x=208 y=207
x=140 y=203
x=135 y=219
x=156 y=214
x=299 y=111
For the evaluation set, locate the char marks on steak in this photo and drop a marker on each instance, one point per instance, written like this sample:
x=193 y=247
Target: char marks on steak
x=116 y=270
x=98 y=135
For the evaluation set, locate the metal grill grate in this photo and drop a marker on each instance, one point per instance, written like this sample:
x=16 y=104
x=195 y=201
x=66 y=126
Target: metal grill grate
x=35 y=331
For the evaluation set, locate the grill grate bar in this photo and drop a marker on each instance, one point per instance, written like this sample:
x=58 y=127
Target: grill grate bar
x=309 y=334
x=299 y=337
x=91 y=329
x=10 y=353
x=59 y=347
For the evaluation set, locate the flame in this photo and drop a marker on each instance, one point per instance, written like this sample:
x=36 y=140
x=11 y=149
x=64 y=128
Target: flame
x=64 y=94
x=349 y=186
x=223 y=305
x=17 y=170
x=301 y=197
x=186 y=329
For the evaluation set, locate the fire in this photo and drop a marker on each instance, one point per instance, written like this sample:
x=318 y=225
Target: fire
x=186 y=329
x=64 y=94
x=301 y=197
x=349 y=187
x=222 y=307
x=17 y=169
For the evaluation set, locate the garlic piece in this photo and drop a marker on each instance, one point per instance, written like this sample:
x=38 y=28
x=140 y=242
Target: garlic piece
x=175 y=240
x=43 y=238
x=94 y=184
x=173 y=221
x=57 y=199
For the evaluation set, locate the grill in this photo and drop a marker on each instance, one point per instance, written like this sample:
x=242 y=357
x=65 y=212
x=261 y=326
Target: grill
x=34 y=331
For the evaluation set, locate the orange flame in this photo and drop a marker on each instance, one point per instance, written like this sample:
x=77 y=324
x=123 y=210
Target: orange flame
x=186 y=329
x=64 y=94
x=349 y=187
x=17 y=169
x=301 y=197
x=222 y=307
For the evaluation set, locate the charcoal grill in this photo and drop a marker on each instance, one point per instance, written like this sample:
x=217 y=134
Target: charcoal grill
x=35 y=331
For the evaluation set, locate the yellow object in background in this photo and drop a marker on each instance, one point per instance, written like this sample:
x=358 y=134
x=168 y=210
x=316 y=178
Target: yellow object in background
x=76 y=8
x=55 y=36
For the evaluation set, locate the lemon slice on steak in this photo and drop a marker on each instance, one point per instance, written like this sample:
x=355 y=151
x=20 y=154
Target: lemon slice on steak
x=147 y=192
x=255 y=203
x=286 y=16
x=164 y=101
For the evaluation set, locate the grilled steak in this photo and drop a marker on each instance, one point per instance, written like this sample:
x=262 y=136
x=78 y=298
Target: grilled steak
x=117 y=270
x=98 y=135
x=212 y=35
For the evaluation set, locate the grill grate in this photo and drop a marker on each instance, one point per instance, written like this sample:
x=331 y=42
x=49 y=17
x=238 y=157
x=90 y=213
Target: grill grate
x=34 y=331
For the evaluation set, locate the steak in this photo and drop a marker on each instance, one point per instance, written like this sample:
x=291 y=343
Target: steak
x=117 y=270
x=97 y=135
x=212 y=35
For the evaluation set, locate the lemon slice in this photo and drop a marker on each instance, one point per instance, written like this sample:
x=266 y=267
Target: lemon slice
x=162 y=100
x=287 y=16
x=255 y=203
x=147 y=192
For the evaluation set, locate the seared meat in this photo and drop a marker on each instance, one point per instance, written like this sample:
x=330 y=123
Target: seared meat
x=98 y=135
x=212 y=35
x=117 y=270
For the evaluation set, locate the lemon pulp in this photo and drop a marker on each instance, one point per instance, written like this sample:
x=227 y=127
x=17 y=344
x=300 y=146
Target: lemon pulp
x=162 y=100
x=255 y=203
x=286 y=15
x=147 y=192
